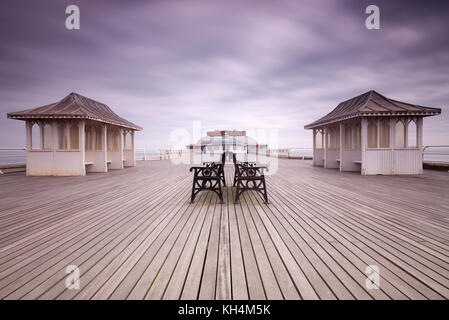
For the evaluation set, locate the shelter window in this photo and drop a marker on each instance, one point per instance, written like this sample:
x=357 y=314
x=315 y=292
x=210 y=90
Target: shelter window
x=74 y=137
x=334 y=138
x=128 y=141
x=113 y=143
x=35 y=137
x=93 y=138
x=318 y=140
x=372 y=135
x=47 y=135
x=98 y=144
x=400 y=134
x=384 y=134
x=411 y=134
x=348 y=137
x=62 y=136
x=358 y=137
x=88 y=138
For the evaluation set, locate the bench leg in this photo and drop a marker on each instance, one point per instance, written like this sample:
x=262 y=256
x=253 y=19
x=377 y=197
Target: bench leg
x=237 y=192
x=223 y=177
x=192 y=198
x=265 y=195
x=220 y=194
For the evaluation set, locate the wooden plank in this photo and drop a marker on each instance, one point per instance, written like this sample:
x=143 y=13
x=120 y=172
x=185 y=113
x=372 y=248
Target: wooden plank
x=134 y=235
x=223 y=287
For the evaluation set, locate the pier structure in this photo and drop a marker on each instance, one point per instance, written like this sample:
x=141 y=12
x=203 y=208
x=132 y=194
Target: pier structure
x=76 y=135
x=371 y=134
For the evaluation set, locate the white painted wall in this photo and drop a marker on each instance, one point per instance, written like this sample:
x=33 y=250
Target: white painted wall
x=130 y=159
x=53 y=162
x=408 y=161
x=347 y=160
x=39 y=163
x=116 y=158
x=393 y=162
x=98 y=159
x=330 y=161
x=318 y=157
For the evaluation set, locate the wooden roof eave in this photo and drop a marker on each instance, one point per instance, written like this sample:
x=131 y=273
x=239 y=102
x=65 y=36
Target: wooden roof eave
x=375 y=114
x=33 y=117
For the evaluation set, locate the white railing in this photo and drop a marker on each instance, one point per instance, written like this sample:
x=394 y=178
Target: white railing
x=16 y=155
x=291 y=153
x=158 y=154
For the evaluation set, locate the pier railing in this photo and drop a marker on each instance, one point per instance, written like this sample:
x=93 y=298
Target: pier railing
x=17 y=155
x=436 y=155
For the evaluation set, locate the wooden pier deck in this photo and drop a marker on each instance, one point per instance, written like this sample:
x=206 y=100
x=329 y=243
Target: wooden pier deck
x=134 y=235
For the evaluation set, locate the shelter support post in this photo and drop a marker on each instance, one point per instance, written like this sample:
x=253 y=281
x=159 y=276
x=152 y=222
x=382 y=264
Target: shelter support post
x=342 y=147
x=419 y=141
x=326 y=142
x=28 y=128
x=82 y=144
x=314 y=147
x=364 y=144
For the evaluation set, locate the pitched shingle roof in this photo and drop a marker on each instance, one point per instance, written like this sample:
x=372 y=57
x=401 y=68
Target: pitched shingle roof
x=75 y=106
x=371 y=103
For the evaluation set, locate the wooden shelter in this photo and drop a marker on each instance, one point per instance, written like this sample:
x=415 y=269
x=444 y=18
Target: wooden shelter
x=228 y=141
x=74 y=136
x=372 y=134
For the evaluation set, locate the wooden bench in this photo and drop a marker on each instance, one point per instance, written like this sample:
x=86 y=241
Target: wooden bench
x=249 y=176
x=88 y=163
x=234 y=160
x=207 y=178
x=221 y=165
x=358 y=162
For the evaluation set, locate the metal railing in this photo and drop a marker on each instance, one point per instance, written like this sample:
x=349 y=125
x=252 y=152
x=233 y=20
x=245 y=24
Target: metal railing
x=291 y=153
x=158 y=154
x=16 y=155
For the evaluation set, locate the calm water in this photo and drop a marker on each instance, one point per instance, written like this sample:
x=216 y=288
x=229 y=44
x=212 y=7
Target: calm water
x=12 y=157
x=436 y=154
x=299 y=152
x=18 y=157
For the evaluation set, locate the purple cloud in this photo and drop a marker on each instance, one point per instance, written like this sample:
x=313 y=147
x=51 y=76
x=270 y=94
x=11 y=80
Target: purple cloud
x=228 y=64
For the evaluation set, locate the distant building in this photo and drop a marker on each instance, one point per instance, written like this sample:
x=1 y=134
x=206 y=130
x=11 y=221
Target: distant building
x=229 y=141
x=371 y=134
x=74 y=136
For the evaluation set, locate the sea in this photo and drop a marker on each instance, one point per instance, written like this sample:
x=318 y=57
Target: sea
x=435 y=154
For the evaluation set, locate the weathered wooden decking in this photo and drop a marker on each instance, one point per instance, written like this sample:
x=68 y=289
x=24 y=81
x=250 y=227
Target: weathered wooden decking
x=134 y=234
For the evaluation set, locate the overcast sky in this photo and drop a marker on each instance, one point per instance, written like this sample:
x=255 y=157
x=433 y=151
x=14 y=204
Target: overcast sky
x=229 y=64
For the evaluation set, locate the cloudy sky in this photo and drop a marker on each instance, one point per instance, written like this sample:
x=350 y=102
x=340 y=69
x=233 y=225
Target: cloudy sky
x=229 y=64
